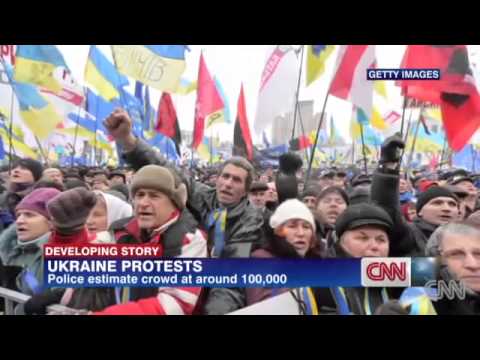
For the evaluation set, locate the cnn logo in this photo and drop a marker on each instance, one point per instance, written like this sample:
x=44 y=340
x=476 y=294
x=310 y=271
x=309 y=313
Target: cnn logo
x=386 y=272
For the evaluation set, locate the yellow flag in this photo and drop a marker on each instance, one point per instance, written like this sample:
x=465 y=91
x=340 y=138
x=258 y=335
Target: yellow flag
x=380 y=88
x=317 y=56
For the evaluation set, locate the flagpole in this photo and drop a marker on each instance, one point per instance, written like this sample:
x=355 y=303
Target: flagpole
x=405 y=139
x=403 y=113
x=353 y=152
x=303 y=132
x=10 y=128
x=122 y=100
x=41 y=149
x=473 y=158
x=322 y=116
x=443 y=151
x=298 y=92
x=363 y=149
x=410 y=157
x=10 y=131
x=95 y=146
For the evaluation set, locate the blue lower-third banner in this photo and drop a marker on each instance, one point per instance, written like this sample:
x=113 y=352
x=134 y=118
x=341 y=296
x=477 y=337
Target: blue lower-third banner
x=275 y=273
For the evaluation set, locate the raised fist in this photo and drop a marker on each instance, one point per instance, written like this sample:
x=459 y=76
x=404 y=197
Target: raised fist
x=391 y=149
x=119 y=125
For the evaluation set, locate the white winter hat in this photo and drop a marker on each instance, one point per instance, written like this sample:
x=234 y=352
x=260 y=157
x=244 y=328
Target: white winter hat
x=291 y=209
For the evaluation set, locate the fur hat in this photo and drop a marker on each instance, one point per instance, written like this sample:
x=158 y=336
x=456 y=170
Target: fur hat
x=162 y=179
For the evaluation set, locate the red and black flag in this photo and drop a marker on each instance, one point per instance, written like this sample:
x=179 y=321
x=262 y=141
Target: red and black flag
x=455 y=92
x=242 y=141
x=301 y=143
x=167 y=123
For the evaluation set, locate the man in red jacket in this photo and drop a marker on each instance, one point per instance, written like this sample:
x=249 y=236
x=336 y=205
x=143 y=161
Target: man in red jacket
x=160 y=218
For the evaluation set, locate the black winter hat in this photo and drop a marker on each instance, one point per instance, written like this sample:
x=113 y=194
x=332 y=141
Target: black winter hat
x=117 y=173
x=360 y=215
x=361 y=179
x=310 y=191
x=258 y=186
x=432 y=193
x=459 y=176
x=334 y=190
x=359 y=195
x=35 y=167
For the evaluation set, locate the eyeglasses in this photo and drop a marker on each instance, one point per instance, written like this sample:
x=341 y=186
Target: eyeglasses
x=460 y=255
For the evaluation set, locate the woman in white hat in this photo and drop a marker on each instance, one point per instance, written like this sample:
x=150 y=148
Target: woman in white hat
x=292 y=236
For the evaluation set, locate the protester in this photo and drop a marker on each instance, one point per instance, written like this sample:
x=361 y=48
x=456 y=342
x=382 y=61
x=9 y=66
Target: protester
x=53 y=174
x=257 y=195
x=107 y=210
x=436 y=206
x=332 y=202
x=310 y=198
x=456 y=246
x=362 y=230
x=291 y=236
x=117 y=177
x=160 y=217
x=462 y=180
x=234 y=227
x=21 y=244
x=24 y=174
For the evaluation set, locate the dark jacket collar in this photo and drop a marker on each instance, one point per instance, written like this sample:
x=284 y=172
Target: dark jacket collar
x=426 y=227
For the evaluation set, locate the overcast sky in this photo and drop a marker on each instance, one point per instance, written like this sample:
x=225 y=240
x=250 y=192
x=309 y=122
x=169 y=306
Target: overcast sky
x=234 y=64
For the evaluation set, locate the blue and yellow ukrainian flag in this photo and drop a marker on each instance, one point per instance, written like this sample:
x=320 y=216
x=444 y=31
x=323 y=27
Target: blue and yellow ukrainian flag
x=159 y=66
x=317 y=56
x=185 y=87
x=103 y=76
x=36 y=64
x=207 y=150
x=37 y=113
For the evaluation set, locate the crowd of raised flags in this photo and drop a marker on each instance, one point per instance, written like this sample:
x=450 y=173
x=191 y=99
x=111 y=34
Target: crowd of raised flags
x=53 y=116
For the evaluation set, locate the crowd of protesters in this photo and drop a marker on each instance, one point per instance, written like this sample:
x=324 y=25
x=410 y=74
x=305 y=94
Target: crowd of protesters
x=236 y=210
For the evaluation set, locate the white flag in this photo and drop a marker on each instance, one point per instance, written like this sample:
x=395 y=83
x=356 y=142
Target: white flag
x=278 y=85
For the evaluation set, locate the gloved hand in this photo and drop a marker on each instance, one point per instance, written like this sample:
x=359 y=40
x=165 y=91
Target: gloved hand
x=392 y=149
x=391 y=307
x=70 y=209
x=286 y=180
x=290 y=163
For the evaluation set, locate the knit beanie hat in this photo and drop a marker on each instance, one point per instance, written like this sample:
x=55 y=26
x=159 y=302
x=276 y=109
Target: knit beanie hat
x=37 y=201
x=160 y=178
x=34 y=166
x=291 y=209
x=432 y=193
